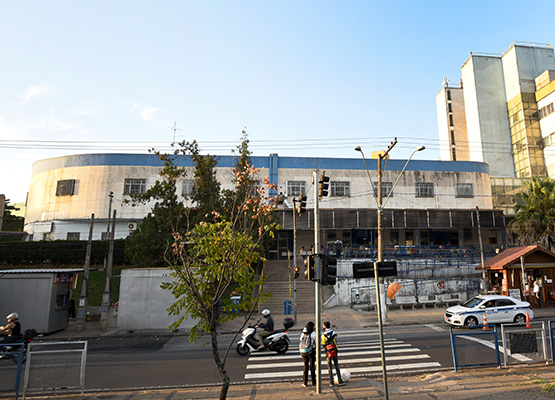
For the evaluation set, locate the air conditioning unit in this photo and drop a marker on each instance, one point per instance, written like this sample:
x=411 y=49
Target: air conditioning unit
x=132 y=226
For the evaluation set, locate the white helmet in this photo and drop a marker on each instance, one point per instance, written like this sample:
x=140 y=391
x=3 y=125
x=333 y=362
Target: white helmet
x=12 y=317
x=266 y=312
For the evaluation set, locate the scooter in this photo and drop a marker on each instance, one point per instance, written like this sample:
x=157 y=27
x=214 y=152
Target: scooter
x=11 y=351
x=278 y=341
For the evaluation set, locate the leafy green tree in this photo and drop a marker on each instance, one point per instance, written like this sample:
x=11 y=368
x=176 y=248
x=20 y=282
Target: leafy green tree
x=217 y=256
x=146 y=245
x=534 y=220
x=11 y=222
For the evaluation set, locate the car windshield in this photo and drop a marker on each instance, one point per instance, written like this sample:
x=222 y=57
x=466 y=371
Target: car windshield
x=473 y=302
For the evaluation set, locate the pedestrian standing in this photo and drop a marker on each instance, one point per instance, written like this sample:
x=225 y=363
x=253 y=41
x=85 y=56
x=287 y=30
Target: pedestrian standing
x=537 y=294
x=307 y=348
x=338 y=248
x=330 y=344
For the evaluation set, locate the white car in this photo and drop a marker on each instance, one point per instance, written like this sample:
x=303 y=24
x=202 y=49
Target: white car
x=497 y=309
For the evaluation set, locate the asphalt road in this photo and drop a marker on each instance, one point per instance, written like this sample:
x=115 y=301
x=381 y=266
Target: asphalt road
x=161 y=361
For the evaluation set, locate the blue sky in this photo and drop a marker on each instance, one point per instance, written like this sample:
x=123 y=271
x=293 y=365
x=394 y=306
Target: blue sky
x=306 y=78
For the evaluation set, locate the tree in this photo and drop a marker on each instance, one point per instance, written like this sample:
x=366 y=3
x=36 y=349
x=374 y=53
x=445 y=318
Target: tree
x=534 y=220
x=147 y=245
x=217 y=256
x=11 y=222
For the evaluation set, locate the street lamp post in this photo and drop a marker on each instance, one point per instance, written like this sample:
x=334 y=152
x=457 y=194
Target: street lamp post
x=380 y=287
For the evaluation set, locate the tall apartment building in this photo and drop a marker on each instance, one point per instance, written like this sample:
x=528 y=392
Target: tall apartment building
x=493 y=117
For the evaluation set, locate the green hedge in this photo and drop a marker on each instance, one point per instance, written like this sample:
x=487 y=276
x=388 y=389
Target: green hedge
x=59 y=252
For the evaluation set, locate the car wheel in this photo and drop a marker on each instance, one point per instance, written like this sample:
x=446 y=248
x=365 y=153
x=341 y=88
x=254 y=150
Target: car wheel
x=519 y=319
x=471 y=322
x=243 y=350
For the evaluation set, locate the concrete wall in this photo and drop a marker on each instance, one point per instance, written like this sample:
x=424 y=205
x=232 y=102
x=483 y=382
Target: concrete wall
x=547 y=126
x=458 y=114
x=143 y=303
x=486 y=114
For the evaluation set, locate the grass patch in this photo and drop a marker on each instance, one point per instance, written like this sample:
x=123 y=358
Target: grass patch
x=97 y=281
x=549 y=388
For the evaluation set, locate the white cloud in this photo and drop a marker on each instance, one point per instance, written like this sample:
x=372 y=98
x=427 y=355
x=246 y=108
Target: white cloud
x=33 y=91
x=145 y=111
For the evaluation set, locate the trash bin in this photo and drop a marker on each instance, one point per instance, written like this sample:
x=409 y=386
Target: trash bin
x=235 y=300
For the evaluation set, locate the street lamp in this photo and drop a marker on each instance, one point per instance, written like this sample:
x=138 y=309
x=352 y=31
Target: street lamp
x=380 y=288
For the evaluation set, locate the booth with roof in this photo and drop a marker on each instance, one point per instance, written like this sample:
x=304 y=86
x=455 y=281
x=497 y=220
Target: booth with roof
x=41 y=297
x=514 y=271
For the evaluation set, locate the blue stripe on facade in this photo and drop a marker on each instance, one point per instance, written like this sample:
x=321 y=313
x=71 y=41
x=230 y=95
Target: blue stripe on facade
x=273 y=161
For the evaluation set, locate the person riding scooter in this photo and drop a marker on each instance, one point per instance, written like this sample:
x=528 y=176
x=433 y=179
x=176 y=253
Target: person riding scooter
x=268 y=327
x=12 y=330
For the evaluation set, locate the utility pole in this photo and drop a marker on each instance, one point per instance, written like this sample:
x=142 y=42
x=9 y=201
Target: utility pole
x=484 y=280
x=381 y=165
x=106 y=295
x=111 y=196
x=83 y=296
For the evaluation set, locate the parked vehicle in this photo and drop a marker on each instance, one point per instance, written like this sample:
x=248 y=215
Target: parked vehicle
x=497 y=309
x=11 y=351
x=278 y=341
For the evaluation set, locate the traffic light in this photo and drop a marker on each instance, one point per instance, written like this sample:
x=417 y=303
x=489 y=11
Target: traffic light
x=296 y=272
x=329 y=271
x=323 y=185
x=301 y=204
x=310 y=272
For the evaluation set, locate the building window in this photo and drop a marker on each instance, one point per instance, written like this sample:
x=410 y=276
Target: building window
x=295 y=188
x=464 y=190
x=451 y=120
x=340 y=189
x=134 y=186
x=386 y=188
x=65 y=187
x=73 y=236
x=424 y=189
x=448 y=95
x=187 y=188
x=545 y=111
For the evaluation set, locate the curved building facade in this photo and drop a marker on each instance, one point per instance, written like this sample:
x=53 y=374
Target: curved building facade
x=65 y=191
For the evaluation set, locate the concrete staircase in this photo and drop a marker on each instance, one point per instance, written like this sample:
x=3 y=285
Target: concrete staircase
x=281 y=287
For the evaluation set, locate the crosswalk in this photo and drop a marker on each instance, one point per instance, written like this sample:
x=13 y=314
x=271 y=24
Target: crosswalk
x=359 y=353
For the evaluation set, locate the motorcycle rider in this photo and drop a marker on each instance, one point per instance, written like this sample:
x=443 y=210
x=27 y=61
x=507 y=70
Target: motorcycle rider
x=268 y=327
x=12 y=329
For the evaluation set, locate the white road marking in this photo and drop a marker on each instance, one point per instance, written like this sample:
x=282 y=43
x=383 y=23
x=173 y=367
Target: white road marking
x=390 y=367
x=435 y=328
x=343 y=361
x=519 y=357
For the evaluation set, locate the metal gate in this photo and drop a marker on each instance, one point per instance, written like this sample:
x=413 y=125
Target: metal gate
x=55 y=366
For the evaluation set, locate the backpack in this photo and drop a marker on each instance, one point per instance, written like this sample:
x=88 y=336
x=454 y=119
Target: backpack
x=331 y=348
x=305 y=346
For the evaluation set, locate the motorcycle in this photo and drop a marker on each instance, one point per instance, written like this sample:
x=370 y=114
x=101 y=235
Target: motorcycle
x=11 y=351
x=278 y=341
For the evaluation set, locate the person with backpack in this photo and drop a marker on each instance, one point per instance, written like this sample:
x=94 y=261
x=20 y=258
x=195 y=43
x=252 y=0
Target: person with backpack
x=330 y=345
x=307 y=348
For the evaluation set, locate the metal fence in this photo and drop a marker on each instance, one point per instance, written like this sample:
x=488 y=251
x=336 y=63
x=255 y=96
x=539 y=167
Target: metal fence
x=55 y=366
x=14 y=352
x=517 y=344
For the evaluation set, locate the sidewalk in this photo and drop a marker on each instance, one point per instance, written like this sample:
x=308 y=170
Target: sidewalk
x=528 y=382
